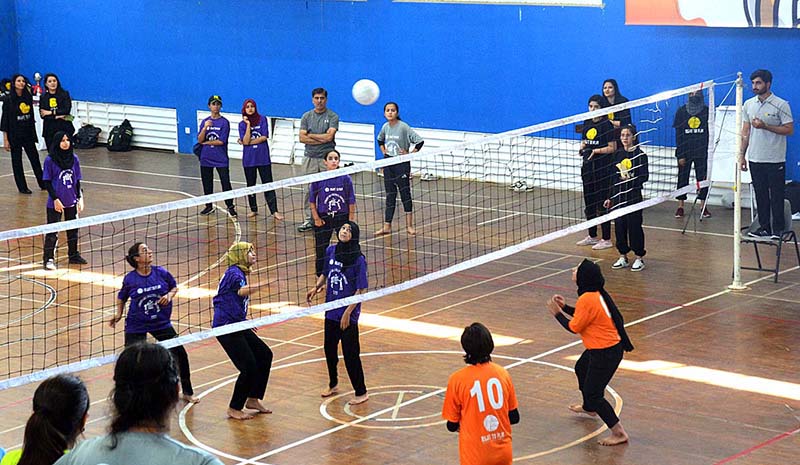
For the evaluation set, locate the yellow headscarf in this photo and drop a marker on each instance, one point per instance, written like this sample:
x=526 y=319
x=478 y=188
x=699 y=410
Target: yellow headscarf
x=237 y=255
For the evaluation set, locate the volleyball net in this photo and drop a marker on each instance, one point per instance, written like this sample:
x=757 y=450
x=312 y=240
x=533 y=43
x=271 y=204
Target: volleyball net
x=474 y=201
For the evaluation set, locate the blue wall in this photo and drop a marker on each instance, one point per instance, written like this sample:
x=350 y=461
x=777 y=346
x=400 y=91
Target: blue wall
x=450 y=66
x=9 y=52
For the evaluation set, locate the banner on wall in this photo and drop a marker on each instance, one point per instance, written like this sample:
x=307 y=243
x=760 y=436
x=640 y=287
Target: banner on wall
x=592 y=3
x=714 y=13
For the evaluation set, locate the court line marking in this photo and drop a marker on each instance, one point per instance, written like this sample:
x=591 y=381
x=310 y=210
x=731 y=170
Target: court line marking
x=512 y=365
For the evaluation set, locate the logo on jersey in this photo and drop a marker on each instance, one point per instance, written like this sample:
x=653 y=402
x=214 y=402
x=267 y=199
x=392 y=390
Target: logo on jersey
x=490 y=423
x=53 y=102
x=591 y=133
x=24 y=108
x=694 y=122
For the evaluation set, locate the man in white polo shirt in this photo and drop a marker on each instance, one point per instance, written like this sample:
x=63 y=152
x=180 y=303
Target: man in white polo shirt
x=767 y=123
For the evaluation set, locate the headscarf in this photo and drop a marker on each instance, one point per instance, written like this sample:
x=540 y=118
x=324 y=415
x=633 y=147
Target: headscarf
x=237 y=255
x=255 y=117
x=590 y=279
x=348 y=252
x=695 y=103
x=65 y=159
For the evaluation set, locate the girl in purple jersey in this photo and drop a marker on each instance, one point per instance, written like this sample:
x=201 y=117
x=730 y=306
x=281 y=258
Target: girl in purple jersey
x=213 y=136
x=344 y=275
x=253 y=135
x=332 y=202
x=62 y=180
x=151 y=289
x=248 y=353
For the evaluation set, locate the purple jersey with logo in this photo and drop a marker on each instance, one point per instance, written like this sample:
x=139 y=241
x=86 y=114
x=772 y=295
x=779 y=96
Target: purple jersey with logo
x=229 y=306
x=333 y=196
x=144 y=313
x=258 y=154
x=215 y=155
x=343 y=282
x=63 y=182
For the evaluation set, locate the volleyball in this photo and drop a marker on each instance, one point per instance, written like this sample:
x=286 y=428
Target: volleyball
x=366 y=92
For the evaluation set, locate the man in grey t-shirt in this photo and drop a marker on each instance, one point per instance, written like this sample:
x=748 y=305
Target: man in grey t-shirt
x=767 y=122
x=318 y=132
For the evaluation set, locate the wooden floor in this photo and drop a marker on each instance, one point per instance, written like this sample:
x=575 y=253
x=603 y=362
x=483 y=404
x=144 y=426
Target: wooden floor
x=714 y=377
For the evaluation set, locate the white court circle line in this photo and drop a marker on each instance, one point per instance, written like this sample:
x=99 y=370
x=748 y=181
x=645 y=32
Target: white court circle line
x=323 y=408
x=255 y=460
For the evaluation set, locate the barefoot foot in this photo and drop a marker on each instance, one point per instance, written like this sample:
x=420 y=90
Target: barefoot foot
x=238 y=414
x=190 y=398
x=578 y=408
x=613 y=440
x=358 y=399
x=255 y=404
x=330 y=391
x=411 y=231
x=278 y=216
x=382 y=232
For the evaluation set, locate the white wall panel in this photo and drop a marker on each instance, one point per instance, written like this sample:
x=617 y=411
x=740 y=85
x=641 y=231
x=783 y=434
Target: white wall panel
x=153 y=127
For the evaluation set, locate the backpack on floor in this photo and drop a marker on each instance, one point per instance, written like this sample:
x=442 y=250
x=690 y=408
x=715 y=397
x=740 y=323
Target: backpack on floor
x=86 y=137
x=120 y=137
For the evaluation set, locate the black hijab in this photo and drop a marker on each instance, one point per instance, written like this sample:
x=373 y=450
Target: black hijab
x=348 y=252
x=63 y=158
x=695 y=103
x=590 y=279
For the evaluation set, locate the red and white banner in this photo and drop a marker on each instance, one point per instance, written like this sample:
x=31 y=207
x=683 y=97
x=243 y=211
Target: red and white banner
x=714 y=13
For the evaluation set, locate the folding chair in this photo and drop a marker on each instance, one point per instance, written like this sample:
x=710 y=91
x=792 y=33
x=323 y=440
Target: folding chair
x=787 y=236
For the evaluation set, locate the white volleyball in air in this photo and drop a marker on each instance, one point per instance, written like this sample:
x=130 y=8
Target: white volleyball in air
x=366 y=91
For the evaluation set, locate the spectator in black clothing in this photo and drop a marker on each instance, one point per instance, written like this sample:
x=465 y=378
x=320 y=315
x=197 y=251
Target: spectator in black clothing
x=597 y=148
x=691 y=147
x=54 y=108
x=611 y=97
x=629 y=173
x=19 y=132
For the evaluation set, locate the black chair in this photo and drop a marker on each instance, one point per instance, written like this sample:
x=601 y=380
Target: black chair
x=788 y=236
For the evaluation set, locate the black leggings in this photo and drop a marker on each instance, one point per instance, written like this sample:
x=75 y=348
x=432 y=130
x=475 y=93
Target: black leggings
x=594 y=370
x=700 y=172
x=630 y=234
x=351 y=350
x=19 y=171
x=207 y=175
x=253 y=358
x=322 y=237
x=595 y=177
x=265 y=171
x=51 y=239
x=397 y=178
x=178 y=353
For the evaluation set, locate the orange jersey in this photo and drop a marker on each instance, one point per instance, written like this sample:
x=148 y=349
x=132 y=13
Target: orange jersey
x=593 y=322
x=479 y=398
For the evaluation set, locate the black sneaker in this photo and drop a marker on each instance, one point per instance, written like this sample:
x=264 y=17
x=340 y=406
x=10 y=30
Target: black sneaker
x=776 y=237
x=306 y=226
x=232 y=211
x=207 y=210
x=761 y=233
x=77 y=260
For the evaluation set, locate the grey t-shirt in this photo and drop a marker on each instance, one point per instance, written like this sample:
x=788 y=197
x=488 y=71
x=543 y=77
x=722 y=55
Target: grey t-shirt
x=136 y=448
x=765 y=146
x=397 y=137
x=319 y=123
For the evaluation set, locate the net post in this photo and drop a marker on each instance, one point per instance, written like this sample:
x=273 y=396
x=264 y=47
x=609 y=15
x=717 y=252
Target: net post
x=737 y=191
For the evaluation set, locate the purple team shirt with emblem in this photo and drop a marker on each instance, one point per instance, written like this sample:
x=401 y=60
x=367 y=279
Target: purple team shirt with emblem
x=63 y=182
x=333 y=196
x=144 y=313
x=258 y=154
x=343 y=283
x=229 y=306
x=215 y=155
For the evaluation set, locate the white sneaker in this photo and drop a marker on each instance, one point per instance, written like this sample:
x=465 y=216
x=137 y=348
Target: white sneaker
x=428 y=177
x=50 y=265
x=622 y=262
x=638 y=264
x=521 y=186
x=588 y=240
x=602 y=244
